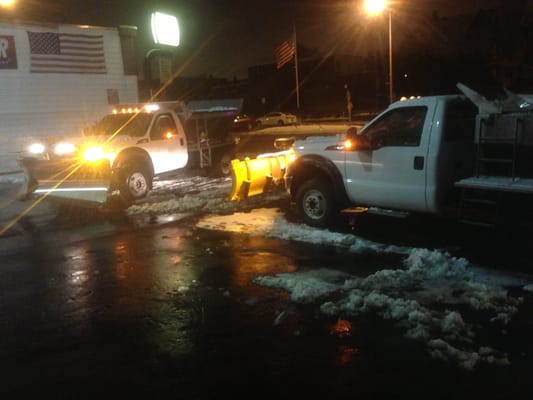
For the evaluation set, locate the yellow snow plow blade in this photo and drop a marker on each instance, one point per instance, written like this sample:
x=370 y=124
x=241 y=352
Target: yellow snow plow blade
x=67 y=180
x=259 y=175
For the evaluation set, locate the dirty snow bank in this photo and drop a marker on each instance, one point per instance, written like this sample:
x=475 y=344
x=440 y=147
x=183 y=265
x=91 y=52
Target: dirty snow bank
x=431 y=296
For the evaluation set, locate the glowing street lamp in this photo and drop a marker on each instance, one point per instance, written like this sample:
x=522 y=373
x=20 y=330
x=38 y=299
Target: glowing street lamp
x=7 y=3
x=166 y=35
x=375 y=7
x=165 y=29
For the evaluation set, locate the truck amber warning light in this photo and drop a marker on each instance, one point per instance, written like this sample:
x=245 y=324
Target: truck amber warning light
x=348 y=144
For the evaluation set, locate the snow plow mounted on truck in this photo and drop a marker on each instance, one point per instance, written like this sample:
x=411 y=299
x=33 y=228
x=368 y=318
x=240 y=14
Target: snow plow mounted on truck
x=118 y=158
x=454 y=156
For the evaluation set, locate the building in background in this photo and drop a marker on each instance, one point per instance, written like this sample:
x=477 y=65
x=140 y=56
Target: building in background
x=58 y=79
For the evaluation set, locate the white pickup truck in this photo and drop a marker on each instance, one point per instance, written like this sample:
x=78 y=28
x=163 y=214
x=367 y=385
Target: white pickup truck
x=458 y=156
x=119 y=156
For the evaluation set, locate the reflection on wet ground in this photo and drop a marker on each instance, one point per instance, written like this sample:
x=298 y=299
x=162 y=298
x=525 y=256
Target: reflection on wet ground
x=152 y=305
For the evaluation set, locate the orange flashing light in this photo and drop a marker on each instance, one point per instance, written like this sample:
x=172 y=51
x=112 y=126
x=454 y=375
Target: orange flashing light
x=341 y=328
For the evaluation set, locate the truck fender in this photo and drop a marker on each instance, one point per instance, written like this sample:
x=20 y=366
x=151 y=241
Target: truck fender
x=129 y=155
x=310 y=167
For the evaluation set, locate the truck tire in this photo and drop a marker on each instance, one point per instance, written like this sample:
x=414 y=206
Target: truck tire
x=316 y=203
x=135 y=181
x=222 y=167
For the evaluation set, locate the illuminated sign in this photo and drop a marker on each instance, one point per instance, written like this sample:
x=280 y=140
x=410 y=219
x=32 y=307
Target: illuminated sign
x=165 y=29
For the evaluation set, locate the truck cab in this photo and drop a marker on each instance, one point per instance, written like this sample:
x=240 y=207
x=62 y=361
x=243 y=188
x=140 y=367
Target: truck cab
x=410 y=147
x=140 y=141
x=407 y=158
x=153 y=128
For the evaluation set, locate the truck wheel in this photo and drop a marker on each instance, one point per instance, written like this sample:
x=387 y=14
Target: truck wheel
x=315 y=203
x=135 y=182
x=223 y=166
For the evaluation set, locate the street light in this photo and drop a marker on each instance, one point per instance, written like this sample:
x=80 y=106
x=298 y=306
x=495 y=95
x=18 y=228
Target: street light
x=7 y=3
x=166 y=34
x=375 y=7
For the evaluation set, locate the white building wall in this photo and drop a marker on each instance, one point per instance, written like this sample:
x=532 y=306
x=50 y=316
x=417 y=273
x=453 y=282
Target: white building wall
x=51 y=104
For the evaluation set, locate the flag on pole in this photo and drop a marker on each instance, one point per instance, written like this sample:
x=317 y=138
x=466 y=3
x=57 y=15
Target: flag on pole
x=285 y=52
x=66 y=52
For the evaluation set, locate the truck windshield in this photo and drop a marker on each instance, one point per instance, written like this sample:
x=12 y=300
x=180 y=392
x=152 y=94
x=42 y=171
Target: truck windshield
x=122 y=124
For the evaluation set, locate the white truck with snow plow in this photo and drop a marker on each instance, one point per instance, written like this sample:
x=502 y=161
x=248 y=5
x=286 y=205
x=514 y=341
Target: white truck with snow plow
x=119 y=156
x=454 y=156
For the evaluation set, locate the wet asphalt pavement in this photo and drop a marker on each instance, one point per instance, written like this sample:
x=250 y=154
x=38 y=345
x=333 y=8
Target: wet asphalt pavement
x=105 y=305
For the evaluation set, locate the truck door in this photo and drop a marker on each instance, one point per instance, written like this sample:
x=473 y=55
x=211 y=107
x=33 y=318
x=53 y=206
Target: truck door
x=167 y=145
x=390 y=171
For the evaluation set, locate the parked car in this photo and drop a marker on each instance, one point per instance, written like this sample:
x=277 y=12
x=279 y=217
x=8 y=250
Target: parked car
x=276 y=118
x=243 y=122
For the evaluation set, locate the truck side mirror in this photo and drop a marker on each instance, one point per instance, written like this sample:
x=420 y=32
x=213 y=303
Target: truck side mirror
x=357 y=142
x=351 y=134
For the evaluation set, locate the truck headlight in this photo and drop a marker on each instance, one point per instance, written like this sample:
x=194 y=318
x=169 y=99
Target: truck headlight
x=64 y=148
x=94 y=154
x=36 y=148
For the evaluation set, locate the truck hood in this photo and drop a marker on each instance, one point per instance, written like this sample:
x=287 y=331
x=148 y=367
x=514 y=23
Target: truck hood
x=315 y=144
x=110 y=142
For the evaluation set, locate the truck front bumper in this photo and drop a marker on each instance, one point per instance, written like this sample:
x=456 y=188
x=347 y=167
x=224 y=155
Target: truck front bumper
x=67 y=179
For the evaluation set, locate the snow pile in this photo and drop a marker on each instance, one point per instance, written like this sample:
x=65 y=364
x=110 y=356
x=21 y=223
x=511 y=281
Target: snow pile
x=432 y=296
x=198 y=195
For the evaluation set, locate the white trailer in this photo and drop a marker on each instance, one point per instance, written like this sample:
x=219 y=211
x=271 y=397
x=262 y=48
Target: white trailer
x=58 y=79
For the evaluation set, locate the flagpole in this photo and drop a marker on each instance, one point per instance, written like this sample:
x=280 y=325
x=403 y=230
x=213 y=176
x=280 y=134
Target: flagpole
x=296 y=70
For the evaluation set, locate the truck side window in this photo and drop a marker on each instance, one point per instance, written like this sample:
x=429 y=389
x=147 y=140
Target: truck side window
x=399 y=127
x=460 y=121
x=163 y=125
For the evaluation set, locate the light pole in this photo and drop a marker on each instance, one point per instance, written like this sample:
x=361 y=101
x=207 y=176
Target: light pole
x=390 y=58
x=375 y=7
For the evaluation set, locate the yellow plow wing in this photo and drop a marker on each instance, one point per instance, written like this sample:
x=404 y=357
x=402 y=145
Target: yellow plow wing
x=259 y=175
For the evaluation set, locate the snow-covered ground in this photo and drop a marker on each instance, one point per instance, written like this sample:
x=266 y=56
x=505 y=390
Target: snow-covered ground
x=430 y=295
x=423 y=295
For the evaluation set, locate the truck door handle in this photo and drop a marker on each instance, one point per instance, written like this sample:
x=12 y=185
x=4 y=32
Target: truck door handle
x=418 y=162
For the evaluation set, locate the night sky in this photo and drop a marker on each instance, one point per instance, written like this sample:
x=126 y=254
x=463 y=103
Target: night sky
x=223 y=37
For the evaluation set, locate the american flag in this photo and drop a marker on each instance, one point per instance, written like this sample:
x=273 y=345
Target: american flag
x=285 y=52
x=66 y=53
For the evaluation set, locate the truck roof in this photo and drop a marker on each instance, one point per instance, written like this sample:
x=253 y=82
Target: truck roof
x=421 y=100
x=149 y=106
x=192 y=109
